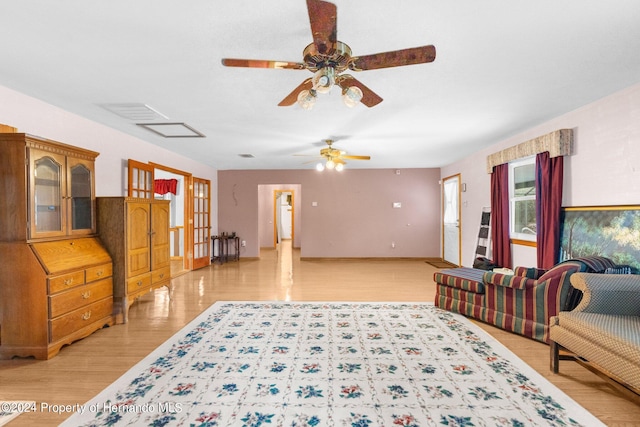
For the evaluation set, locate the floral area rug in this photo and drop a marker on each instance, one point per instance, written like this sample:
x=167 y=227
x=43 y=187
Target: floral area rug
x=331 y=364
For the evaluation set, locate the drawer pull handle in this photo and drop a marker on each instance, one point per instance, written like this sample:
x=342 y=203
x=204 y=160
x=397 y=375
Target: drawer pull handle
x=87 y=315
x=161 y=275
x=99 y=273
x=139 y=283
x=86 y=295
x=67 y=282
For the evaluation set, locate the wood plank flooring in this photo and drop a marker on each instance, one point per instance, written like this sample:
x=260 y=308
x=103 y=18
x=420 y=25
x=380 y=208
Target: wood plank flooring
x=83 y=369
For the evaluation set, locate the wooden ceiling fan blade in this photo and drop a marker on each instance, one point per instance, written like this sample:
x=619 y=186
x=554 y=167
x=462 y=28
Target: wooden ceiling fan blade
x=261 y=63
x=349 y=157
x=293 y=96
x=397 y=58
x=369 y=97
x=323 y=17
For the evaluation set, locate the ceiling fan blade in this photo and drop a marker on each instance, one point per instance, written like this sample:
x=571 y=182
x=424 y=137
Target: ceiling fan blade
x=397 y=58
x=293 y=96
x=260 y=63
x=324 y=28
x=369 y=97
x=356 y=157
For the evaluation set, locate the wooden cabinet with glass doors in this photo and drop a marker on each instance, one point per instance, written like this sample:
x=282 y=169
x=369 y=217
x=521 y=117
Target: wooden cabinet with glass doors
x=55 y=274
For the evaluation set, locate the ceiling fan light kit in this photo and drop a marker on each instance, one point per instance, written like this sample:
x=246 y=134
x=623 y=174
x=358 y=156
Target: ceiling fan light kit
x=307 y=99
x=351 y=96
x=328 y=57
x=334 y=158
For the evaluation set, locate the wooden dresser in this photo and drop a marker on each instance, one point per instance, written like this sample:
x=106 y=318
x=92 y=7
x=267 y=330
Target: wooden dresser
x=136 y=234
x=55 y=274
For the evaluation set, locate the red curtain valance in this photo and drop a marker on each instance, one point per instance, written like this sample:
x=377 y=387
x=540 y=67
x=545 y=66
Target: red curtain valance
x=164 y=186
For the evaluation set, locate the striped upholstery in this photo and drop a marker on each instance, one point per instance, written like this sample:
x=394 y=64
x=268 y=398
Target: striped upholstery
x=524 y=305
x=468 y=279
x=522 y=302
x=605 y=327
x=596 y=264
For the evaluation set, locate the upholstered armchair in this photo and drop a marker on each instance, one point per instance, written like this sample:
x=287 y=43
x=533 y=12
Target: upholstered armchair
x=603 y=331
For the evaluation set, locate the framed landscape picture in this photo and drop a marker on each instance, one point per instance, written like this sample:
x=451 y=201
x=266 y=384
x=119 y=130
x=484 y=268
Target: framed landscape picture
x=609 y=231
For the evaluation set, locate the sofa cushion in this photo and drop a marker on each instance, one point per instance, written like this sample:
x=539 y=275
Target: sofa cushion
x=465 y=278
x=621 y=334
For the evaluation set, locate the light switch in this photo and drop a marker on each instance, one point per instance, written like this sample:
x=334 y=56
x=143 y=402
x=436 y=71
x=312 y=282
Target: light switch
x=397 y=205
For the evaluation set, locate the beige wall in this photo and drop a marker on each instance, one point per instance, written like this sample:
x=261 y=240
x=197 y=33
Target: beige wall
x=354 y=216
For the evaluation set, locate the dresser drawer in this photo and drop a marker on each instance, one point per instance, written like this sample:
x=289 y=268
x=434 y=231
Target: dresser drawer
x=65 y=302
x=138 y=283
x=99 y=272
x=78 y=319
x=162 y=275
x=66 y=281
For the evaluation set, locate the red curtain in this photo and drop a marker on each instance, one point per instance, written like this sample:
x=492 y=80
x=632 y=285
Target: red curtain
x=549 y=173
x=164 y=186
x=500 y=215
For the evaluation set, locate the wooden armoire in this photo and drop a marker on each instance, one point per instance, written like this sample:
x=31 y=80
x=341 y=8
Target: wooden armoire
x=136 y=234
x=55 y=274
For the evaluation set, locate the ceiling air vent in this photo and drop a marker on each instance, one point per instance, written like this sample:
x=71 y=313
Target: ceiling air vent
x=247 y=156
x=135 y=111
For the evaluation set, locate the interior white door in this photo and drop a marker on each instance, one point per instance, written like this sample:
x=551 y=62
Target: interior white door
x=451 y=219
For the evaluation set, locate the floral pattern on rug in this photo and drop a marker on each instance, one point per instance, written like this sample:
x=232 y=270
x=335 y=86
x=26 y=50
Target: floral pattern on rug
x=331 y=364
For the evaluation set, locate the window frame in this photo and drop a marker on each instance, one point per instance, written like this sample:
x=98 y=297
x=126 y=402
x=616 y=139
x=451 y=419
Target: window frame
x=513 y=199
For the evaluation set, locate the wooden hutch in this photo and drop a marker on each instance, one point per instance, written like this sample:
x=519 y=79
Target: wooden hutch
x=55 y=274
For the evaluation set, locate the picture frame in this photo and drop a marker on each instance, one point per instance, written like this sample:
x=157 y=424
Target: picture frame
x=608 y=231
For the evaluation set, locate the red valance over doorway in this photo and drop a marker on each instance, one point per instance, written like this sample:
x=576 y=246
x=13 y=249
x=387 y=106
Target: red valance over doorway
x=164 y=186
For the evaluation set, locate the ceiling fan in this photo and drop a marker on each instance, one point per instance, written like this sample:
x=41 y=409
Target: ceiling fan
x=335 y=158
x=328 y=58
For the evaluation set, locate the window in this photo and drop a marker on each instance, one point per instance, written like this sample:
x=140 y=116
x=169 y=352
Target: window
x=522 y=199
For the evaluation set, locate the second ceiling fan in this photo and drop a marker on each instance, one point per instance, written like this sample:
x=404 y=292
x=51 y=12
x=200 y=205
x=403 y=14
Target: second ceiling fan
x=327 y=58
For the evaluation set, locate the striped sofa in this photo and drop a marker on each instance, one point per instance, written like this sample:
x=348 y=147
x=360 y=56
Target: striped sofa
x=603 y=331
x=523 y=302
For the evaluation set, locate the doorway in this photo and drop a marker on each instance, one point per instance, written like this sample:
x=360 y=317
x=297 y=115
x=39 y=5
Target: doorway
x=283 y=216
x=451 y=239
x=181 y=256
x=179 y=262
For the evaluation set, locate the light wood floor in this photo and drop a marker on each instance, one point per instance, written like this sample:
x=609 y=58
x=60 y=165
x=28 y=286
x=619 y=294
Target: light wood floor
x=83 y=369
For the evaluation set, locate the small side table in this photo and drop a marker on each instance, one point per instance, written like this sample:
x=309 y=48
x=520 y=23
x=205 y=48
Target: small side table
x=223 y=248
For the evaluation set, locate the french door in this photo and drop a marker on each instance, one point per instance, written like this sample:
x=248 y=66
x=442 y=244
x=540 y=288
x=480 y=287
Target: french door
x=201 y=222
x=197 y=208
x=140 y=180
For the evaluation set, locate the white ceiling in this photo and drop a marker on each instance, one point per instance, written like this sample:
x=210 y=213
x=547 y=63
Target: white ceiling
x=501 y=67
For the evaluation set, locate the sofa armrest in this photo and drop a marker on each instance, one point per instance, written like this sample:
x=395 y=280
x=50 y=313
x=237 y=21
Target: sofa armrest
x=531 y=273
x=608 y=293
x=508 y=280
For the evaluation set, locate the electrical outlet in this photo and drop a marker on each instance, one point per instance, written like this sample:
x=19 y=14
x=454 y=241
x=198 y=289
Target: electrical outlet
x=393 y=245
x=243 y=243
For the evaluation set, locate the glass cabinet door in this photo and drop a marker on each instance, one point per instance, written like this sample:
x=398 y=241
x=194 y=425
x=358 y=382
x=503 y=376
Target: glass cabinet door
x=47 y=186
x=62 y=195
x=81 y=195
